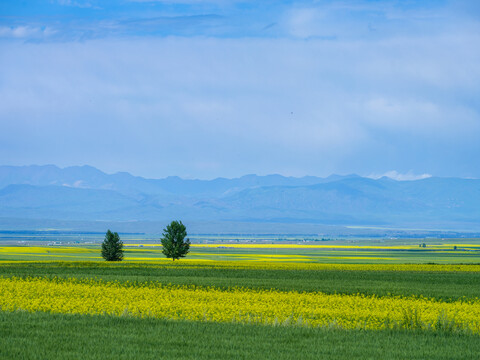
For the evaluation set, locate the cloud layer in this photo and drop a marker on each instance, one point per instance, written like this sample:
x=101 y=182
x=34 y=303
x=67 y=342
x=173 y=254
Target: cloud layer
x=357 y=87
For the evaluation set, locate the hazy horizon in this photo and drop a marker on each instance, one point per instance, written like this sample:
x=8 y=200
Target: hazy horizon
x=87 y=194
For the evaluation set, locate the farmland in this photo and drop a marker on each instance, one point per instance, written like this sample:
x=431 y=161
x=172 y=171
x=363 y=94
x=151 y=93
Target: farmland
x=361 y=300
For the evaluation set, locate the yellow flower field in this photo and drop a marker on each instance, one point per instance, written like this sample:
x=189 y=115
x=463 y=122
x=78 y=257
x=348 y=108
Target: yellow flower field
x=270 y=307
x=46 y=249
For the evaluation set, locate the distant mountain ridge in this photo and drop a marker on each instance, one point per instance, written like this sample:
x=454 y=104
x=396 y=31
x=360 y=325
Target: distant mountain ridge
x=86 y=193
x=123 y=182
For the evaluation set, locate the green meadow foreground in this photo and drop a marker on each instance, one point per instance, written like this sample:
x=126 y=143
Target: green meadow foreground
x=242 y=302
x=54 y=336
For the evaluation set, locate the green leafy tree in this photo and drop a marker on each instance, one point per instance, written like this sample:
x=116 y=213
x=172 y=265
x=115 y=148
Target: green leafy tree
x=174 y=244
x=112 y=247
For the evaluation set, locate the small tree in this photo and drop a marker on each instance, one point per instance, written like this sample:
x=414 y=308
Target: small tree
x=112 y=247
x=174 y=245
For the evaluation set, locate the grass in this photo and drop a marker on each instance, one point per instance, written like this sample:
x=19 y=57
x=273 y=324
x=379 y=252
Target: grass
x=47 y=336
x=446 y=286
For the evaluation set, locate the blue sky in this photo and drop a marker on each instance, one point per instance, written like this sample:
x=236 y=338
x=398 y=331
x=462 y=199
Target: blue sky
x=202 y=89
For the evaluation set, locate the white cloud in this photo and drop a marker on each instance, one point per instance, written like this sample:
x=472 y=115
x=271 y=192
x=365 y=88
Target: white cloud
x=395 y=175
x=18 y=31
x=304 y=22
x=79 y=4
x=26 y=32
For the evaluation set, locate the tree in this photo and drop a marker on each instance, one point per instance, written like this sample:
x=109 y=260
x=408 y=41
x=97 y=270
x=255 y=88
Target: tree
x=174 y=245
x=112 y=247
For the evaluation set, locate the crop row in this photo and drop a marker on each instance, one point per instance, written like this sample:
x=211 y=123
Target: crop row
x=272 y=307
x=259 y=265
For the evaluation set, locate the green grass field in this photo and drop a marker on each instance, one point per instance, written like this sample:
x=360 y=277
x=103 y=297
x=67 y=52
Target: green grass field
x=47 y=336
x=37 y=335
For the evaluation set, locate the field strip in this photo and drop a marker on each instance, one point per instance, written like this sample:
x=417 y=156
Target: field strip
x=241 y=305
x=331 y=246
x=46 y=249
x=251 y=264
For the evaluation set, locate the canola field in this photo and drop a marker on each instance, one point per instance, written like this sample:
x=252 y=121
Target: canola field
x=272 y=291
x=237 y=305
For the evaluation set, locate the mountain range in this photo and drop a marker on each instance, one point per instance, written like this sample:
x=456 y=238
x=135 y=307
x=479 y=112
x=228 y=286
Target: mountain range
x=85 y=193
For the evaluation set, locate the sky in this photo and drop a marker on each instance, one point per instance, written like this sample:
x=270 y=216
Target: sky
x=224 y=88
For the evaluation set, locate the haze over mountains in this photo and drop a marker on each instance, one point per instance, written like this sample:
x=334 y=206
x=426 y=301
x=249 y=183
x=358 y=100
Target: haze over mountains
x=87 y=194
